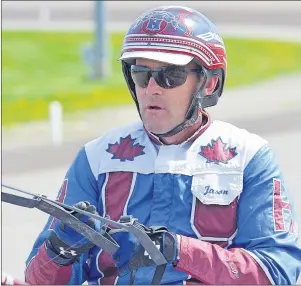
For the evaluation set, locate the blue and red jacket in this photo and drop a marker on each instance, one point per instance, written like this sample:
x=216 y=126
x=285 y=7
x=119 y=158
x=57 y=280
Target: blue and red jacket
x=221 y=191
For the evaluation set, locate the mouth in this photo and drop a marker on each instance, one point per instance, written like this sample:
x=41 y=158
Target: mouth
x=154 y=107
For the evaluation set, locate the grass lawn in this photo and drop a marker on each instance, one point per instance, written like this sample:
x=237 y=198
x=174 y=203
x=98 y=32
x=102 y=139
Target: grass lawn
x=39 y=67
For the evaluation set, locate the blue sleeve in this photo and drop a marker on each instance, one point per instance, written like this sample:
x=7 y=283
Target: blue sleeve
x=267 y=226
x=79 y=185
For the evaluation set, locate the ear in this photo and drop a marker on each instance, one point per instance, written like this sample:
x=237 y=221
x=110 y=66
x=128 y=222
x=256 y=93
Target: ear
x=211 y=85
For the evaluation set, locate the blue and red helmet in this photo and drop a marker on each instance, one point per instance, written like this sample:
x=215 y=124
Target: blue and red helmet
x=177 y=35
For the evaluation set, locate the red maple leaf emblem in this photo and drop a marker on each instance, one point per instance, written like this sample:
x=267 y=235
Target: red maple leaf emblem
x=217 y=152
x=125 y=149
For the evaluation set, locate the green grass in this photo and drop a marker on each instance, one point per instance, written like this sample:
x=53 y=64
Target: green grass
x=39 y=67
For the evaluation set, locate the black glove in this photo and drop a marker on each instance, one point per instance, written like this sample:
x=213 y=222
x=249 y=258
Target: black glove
x=131 y=255
x=65 y=244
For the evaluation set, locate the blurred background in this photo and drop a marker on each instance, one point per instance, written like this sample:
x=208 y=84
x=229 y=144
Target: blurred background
x=62 y=86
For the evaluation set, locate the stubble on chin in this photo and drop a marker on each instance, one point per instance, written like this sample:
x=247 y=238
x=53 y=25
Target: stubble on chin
x=157 y=125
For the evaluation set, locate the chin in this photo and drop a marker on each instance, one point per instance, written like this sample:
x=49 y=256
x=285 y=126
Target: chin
x=156 y=129
x=158 y=124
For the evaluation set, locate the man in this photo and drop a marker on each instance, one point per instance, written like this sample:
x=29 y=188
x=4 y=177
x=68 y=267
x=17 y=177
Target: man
x=216 y=188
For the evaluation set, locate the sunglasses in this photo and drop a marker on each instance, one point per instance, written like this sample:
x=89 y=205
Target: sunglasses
x=166 y=77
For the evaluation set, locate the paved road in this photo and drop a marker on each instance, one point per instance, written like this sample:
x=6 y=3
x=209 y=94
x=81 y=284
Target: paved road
x=260 y=19
x=261 y=12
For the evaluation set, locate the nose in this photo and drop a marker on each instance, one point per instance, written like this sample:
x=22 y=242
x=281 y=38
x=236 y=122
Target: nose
x=153 y=87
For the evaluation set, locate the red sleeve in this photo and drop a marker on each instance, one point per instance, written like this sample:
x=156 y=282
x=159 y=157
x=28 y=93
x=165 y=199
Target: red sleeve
x=42 y=270
x=213 y=264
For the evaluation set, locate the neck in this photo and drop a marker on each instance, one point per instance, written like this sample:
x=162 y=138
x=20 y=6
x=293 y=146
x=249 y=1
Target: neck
x=189 y=134
x=183 y=135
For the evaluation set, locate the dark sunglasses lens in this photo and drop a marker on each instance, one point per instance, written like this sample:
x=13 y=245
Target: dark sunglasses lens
x=172 y=76
x=140 y=75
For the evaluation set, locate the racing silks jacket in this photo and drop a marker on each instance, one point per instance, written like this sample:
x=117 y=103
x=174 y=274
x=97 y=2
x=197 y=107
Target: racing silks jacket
x=221 y=191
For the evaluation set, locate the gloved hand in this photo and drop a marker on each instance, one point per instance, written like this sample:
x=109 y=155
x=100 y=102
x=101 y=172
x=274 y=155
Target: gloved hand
x=65 y=244
x=131 y=255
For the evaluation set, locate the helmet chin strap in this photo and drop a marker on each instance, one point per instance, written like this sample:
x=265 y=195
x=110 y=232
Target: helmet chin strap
x=192 y=113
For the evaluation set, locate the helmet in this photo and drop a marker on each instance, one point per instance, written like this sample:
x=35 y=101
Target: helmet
x=177 y=35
